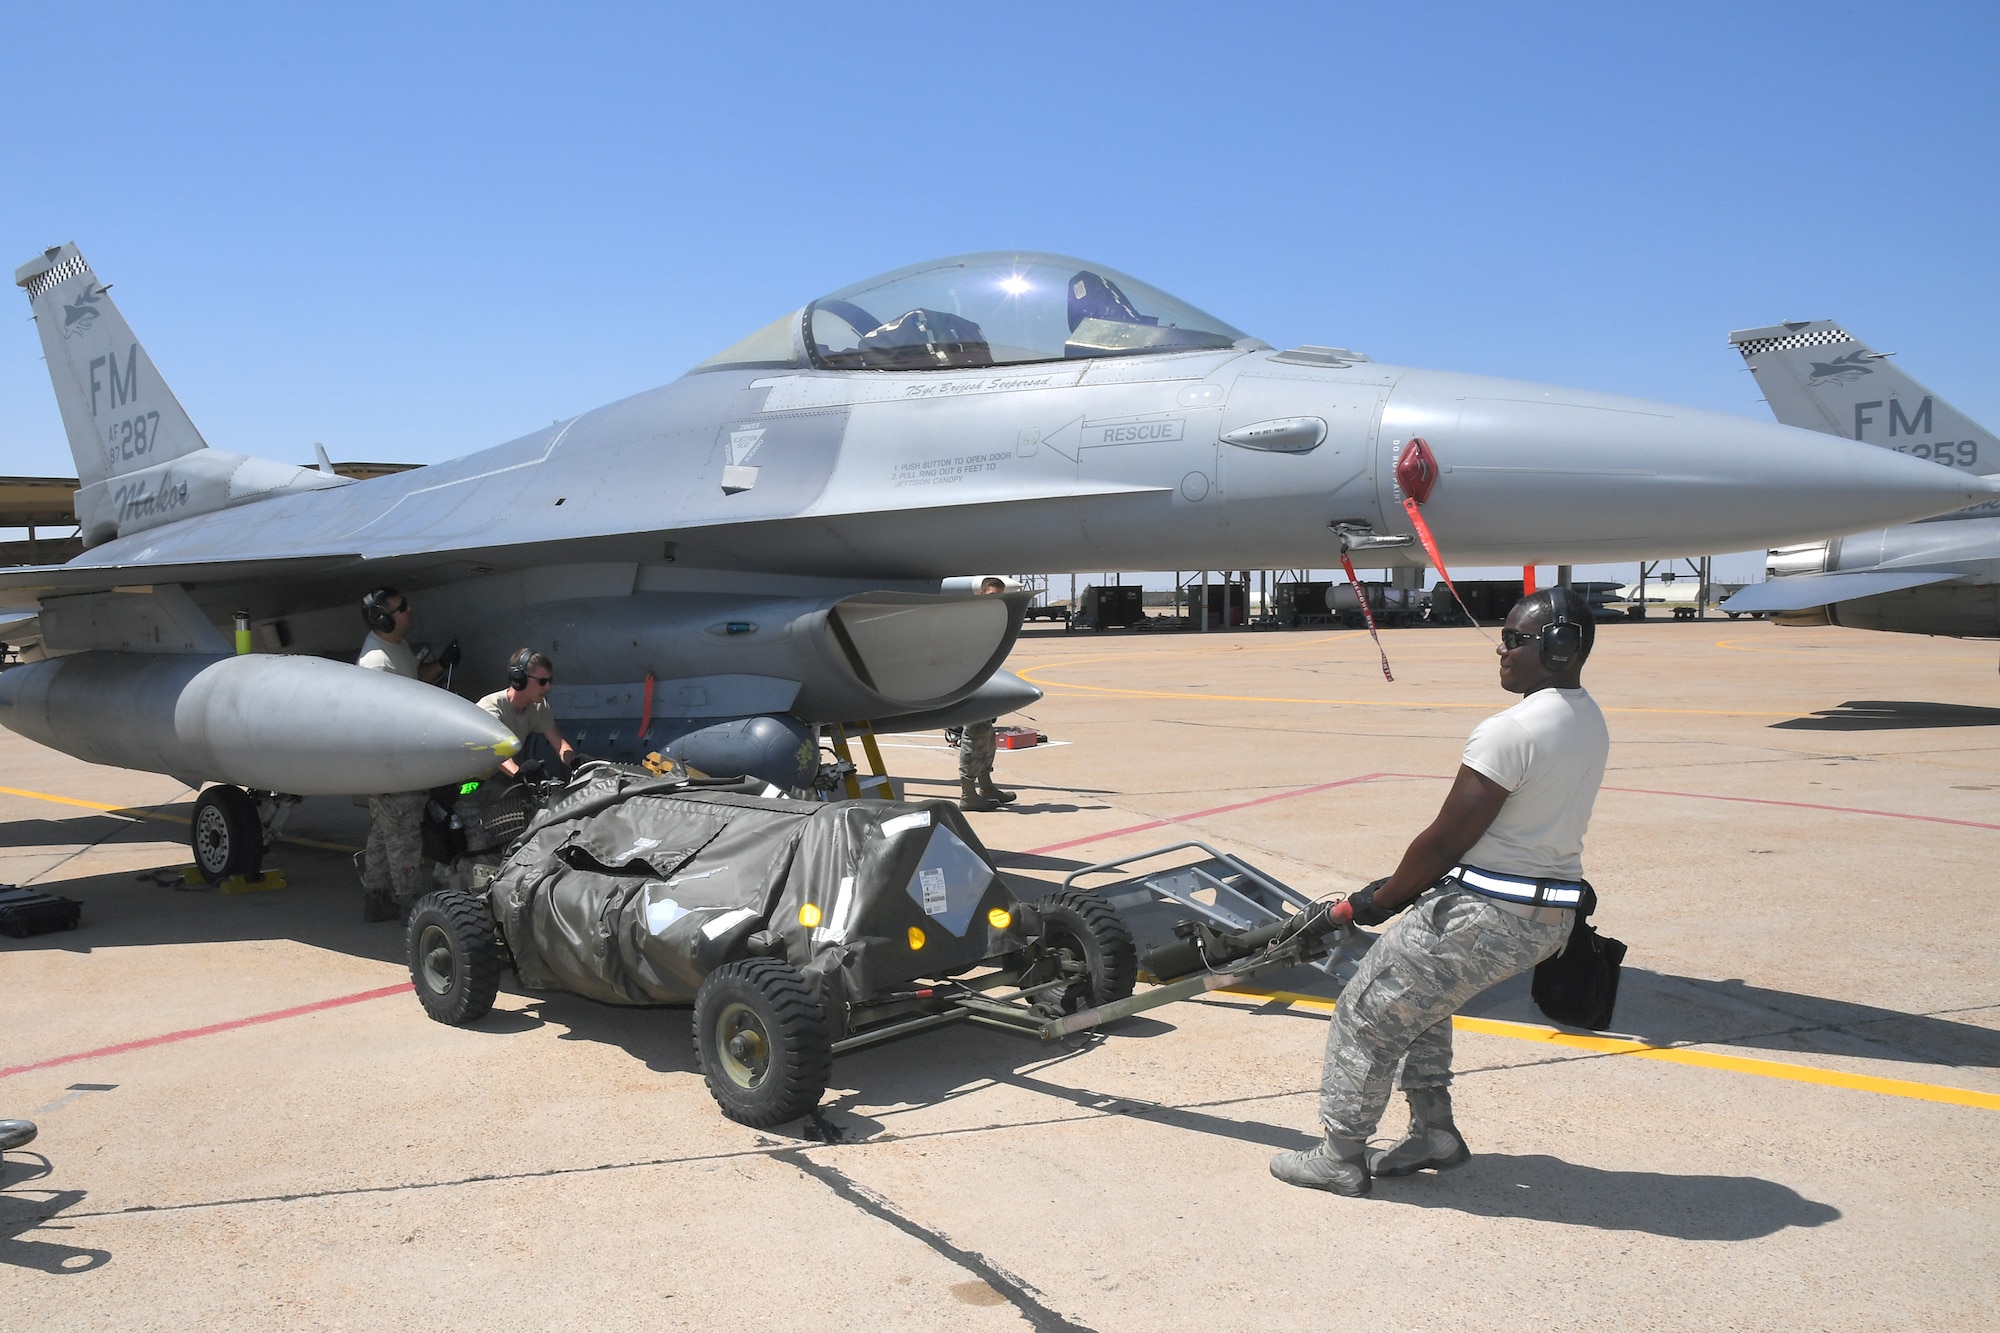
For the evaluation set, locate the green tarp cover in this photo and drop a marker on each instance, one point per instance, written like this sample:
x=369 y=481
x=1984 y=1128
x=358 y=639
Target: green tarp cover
x=630 y=889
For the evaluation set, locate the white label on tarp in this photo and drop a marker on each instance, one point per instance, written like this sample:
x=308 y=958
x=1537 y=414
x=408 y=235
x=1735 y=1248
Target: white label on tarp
x=904 y=823
x=727 y=922
x=639 y=845
x=661 y=911
x=934 y=895
x=835 y=929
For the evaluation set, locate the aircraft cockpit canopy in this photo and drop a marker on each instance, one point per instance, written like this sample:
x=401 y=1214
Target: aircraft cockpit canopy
x=996 y=309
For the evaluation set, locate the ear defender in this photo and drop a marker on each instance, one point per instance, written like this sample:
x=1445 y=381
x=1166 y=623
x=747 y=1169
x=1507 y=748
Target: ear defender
x=517 y=669
x=1562 y=637
x=376 y=612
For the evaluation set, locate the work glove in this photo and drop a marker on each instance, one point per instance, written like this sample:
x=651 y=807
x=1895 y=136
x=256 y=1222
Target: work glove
x=1361 y=904
x=1320 y=919
x=450 y=657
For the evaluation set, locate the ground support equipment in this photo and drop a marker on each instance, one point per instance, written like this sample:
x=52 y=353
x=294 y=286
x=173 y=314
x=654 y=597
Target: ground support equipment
x=1162 y=904
x=879 y=786
x=801 y=930
x=1195 y=927
x=1023 y=1010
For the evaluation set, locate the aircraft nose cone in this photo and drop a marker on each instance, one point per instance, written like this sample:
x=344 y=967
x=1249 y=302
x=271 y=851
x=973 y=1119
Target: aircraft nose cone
x=1529 y=471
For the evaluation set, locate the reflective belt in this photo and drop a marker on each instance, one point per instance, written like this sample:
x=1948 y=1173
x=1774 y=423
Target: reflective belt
x=1518 y=888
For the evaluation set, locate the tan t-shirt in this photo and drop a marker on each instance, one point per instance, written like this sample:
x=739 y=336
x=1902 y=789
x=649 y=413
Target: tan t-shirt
x=536 y=718
x=378 y=654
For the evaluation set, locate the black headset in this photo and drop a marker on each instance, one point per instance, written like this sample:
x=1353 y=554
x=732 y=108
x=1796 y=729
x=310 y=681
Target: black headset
x=1562 y=637
x=517 y=668
x=379 y=610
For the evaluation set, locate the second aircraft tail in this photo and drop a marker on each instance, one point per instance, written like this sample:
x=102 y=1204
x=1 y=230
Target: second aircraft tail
x=1818 y=375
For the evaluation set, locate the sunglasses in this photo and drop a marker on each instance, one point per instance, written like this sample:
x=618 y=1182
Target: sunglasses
x=402 y=610
x=1510 y=639
x=541 y=680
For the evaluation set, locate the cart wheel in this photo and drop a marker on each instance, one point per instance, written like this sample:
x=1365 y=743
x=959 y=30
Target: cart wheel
x=762 y=1041
x=454 y=955
x=1083 y=928
x=226 y=835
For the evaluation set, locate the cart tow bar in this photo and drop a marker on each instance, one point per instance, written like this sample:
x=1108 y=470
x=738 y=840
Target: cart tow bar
x=1288 y=953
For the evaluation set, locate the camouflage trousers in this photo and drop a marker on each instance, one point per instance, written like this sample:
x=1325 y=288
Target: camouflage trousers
x=1393 y=1022
x=392 y=863
x=975 y=751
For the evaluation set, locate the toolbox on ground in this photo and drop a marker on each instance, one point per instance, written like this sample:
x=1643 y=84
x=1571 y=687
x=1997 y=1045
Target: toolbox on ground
x=24 y=912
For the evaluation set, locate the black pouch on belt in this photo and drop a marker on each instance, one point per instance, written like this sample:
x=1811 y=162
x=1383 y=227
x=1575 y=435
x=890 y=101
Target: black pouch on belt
x=1578 y=985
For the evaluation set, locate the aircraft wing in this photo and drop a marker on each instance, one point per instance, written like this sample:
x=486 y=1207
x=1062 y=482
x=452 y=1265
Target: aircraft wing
x=1798 y=592
x=23 y=586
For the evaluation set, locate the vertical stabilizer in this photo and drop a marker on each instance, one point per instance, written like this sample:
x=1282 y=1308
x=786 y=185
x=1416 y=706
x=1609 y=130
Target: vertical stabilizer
x=1818 y=375
x=120 y=415
x=140 y=461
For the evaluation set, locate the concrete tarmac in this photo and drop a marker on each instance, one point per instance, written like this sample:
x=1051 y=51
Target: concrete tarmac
x=248 y=1122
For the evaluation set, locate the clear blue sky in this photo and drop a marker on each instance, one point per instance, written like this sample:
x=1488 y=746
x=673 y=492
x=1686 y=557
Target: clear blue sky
x=418 y=231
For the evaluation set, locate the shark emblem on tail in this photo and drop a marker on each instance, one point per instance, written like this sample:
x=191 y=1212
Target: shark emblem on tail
x=1843 y=369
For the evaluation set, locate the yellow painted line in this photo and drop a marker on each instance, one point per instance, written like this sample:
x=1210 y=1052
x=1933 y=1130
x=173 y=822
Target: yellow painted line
x=1330 y=641
x=1334 y=643
x=133 y=812
x=1030 y=676
x=128 y=811
x=1678 y=1055
x=1844 y=653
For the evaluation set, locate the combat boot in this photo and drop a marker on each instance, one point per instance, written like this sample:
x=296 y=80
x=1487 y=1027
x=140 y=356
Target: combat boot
x=1337 y=1164
x=379 y=907
x=1431 y=1143
x=971 y=798
x=995 y=793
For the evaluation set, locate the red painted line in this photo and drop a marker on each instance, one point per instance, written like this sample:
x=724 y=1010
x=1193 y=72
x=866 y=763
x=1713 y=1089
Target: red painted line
x=1806 y=805
x=1217 y=810
x=1441 y=777
x=398 y=989
x=211 y=1029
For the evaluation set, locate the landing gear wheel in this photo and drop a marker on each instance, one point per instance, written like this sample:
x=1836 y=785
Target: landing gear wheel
x=226 y=834
x=454 y=955
x=1082 y=935
x=761 y=1037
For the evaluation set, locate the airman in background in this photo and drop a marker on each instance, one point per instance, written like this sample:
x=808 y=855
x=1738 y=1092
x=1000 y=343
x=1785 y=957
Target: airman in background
x=977 y=790
x=523 y=707
x=392 y=863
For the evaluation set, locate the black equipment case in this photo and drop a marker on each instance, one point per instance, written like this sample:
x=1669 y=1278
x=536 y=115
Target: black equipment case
x=23 y=912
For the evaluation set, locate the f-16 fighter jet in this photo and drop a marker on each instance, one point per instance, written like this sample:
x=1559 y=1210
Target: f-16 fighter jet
x=721 y=565
x=1941 y=576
